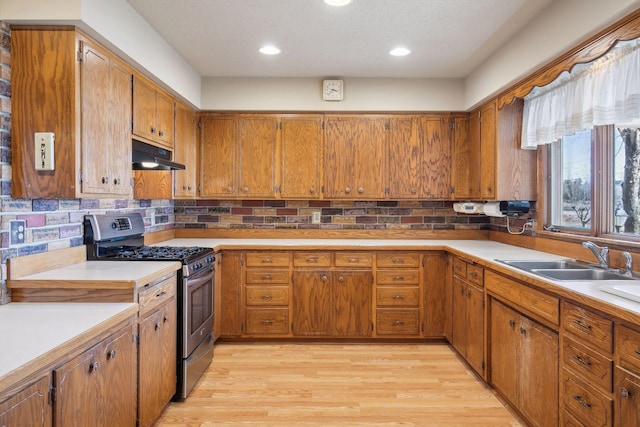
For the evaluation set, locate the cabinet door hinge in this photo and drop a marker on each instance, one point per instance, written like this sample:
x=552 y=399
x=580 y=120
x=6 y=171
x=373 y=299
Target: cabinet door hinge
x=322 y=124
x=292 y=327
x=242 y=327
x=423 y=261
x=422 y=327
x=80 y=177
x=80 y=51
x=137 y=339
x=131 y=126
x=371 y=326
x=51 y=398
x=483 y=364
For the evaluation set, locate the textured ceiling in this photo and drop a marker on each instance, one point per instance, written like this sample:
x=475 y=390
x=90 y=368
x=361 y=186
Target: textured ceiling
x=448 y=38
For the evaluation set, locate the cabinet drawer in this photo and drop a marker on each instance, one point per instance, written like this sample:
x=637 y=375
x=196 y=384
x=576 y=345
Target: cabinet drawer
x=354 y=259
x=397 y=296
x=584 y=361
x=529 y=301
x=261 y=321
x=475 y=275
x=261 y=259
x=312 y=259
x=267 y=295
x=397 y=322
x=460 y=268
x=267 y=276
x=589 y=326
x=398 y=277
x=398 y=259
x=585 y=403
x=152 y=296
x=628 y=345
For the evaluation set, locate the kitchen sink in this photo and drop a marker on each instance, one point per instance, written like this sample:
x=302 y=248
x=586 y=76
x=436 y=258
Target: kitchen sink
x=567 y=270
x=544 y=265
x=580 y=275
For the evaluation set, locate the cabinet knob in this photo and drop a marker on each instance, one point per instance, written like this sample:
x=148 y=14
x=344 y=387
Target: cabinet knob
x=116 y=181
x=325 y=278
x=413 y=190
x=512 y=323
x=157 y=326
x=312 y=190
x=165 y=319
x=153 y=130
x=360 y=190
x=161 y=133
x=105 y=179
x=340 y=279
x=347 y=190
x=624 y=393
x=245 y=189
x=229 y=190
x=184 y=187
x=94 y=367
x=111 y=355
x=189 y=188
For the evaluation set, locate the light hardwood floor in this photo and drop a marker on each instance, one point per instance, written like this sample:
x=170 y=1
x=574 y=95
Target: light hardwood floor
x=338 y=385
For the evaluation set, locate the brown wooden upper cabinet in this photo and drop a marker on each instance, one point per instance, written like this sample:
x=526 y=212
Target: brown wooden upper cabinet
x=247 y=155
x=466 y=158
x=184 y=186
x=153 y=114
x=506 y=172
x=81 y=93
x=419 y=157
x=301 y=137
x=355 y=156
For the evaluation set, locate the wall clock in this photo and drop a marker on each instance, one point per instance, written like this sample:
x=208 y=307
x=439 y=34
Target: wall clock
x=332 y=90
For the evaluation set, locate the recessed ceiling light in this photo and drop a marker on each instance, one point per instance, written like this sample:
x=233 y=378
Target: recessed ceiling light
x=399 y=51
x=337 y=2
x=269 y=50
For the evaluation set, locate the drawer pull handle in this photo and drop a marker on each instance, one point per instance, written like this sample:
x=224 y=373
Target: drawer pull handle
x=474 y=275
x=624 y=393
x=397 y=322
x=267 y=277
x=398 y=260
x=161 y=294
x=267 y=322
x=581 y=360
x=398 y=297
x=267 y=296
x=637 y=352
x=582 y=324
x=583 y=403
x=312 y=259
x=266 y=260
x=352 y=260
x=398 y=277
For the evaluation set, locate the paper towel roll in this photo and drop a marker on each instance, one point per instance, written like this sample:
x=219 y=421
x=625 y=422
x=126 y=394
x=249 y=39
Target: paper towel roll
x=492 y=209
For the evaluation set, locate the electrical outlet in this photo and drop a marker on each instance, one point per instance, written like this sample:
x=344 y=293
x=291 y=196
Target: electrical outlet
x=44 y=160
x=18 y=230
x=315 y=218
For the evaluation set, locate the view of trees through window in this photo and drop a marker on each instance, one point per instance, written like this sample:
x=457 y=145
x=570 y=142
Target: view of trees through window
x=572 y=174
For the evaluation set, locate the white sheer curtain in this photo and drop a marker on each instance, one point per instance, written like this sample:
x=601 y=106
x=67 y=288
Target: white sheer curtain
x=606 y=91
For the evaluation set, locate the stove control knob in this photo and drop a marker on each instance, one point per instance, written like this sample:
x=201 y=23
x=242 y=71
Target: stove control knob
x=114 y=225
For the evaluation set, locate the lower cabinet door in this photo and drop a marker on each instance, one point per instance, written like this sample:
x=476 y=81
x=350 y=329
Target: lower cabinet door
x=311 y=299
x=627 y=390
x=76 y=382
x=504 y=350
x=28 y=407
x=118 y=379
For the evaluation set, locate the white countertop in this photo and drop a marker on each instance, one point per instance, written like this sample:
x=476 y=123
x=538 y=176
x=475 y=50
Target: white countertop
x=113 y=273
x=485 y=250
x=30 y=330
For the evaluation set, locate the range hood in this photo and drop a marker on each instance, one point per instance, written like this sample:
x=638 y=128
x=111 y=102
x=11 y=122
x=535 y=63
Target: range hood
x=149 y=157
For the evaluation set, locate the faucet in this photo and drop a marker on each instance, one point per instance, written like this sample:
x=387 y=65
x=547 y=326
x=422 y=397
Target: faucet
x=628 y=264
x=600 y=252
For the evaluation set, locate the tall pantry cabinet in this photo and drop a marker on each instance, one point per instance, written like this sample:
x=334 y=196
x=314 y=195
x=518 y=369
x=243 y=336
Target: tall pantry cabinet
x=81 y=93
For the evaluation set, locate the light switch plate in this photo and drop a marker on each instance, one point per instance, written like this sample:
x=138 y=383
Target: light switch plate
x=43 y=158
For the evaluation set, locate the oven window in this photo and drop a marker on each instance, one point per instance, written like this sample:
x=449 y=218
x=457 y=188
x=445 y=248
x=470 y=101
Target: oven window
x=201 y=305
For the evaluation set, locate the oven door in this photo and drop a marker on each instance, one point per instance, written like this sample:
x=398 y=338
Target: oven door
x=197 y=309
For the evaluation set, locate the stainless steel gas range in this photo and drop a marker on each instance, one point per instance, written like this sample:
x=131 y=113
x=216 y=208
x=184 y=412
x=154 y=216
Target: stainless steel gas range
x=120 y=237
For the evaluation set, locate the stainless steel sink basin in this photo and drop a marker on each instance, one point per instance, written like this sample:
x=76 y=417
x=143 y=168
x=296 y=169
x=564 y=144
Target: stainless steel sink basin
x=580 y=275
x=544 y=265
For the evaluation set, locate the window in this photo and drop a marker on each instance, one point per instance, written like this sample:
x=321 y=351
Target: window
x=593 y=184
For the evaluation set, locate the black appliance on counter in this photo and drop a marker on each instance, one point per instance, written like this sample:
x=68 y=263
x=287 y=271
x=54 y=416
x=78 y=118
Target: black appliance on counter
x=119 y=238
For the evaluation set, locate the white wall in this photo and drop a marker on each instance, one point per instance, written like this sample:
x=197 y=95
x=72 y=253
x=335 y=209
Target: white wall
x=556 y=30
x=305 y=94
x=116 y=24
